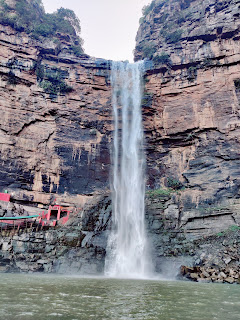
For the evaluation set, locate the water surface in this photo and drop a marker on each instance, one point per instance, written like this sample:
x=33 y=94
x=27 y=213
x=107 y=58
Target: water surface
x=41 y=297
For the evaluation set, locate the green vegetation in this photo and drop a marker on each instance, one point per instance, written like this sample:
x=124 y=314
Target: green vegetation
x=181 y=18
x=192 y=73
x=147 y=99
x=31 y=18
x=233 y=228
x=55 y=86
x=163 y=58
x=220 y=234
x=52 y=80
x=148 y=8
x=174 y=36
x=148 y=50
x=154 y=4
x=12 y=79
x=174 y=184
x=159 y=193
x=77 y=50
x=170 y=28
x=211 y=209
x=163 y=18
x=63 y=21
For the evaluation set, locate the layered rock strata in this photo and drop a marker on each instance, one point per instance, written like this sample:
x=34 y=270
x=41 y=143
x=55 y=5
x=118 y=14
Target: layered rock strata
x=191 y=110
x=55 y=131
x=55 y=121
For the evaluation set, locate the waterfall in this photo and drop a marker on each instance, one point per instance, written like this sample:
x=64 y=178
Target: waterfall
x=127 y=254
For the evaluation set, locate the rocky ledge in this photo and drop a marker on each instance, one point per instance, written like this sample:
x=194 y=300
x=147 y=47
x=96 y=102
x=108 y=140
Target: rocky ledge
x=217 y=259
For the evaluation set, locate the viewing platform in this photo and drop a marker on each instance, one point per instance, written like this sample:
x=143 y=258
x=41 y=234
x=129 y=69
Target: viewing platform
x=55 y=215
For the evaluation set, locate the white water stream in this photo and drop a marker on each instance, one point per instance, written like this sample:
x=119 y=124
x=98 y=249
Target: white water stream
x=127 y=253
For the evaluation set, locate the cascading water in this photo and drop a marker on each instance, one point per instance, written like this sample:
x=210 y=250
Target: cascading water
x=127 y=254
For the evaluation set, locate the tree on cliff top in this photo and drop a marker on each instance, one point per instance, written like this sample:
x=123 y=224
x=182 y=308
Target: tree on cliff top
x=160 y=3
x=170 y=24
x=29 y=16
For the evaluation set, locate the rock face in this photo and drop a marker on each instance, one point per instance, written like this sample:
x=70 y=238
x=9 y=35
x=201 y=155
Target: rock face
x=55 y=121
x=78 y=247
x=217 y=260
x=191 y=110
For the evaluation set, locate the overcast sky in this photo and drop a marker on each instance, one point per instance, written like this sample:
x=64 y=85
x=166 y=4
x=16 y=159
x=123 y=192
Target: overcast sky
x=109 y=27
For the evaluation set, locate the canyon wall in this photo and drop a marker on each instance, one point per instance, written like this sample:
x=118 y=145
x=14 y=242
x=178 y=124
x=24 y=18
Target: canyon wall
x=55 y=121
x=55 y=134
x=191 y=110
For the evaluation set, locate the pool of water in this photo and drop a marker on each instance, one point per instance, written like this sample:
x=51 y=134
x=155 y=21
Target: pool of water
x=41 y=297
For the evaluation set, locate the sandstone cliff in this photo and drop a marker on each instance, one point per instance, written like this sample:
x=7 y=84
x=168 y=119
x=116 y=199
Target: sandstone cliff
x=191 y=109
x=55 y=120
x=55 y=130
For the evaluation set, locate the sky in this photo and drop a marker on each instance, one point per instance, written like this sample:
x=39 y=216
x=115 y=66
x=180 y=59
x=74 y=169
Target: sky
x=109 y=27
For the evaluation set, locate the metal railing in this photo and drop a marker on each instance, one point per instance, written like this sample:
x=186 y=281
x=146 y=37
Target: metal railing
x=18 y=228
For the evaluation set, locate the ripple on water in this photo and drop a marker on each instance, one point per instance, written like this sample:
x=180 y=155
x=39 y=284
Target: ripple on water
x=69 y=298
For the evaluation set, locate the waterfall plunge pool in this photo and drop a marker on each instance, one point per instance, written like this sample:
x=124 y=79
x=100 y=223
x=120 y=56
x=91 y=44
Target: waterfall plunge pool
x=40 y=296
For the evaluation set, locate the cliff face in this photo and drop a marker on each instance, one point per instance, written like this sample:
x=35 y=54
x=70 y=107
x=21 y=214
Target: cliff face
x=191 y=110
x=55 y=120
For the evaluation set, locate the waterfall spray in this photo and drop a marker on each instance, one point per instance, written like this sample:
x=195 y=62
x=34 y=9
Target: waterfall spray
x=127 y=254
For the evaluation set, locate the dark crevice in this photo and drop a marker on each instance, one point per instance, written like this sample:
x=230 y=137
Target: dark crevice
x=47 y=139
x=209 y=216
x=26 y=125
x=17 y=80
x=182 y=136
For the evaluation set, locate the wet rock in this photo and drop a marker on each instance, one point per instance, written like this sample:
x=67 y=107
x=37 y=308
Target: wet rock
x=41 y=261
x=6 y=246
x=227 y=260
x=222 y=275
x=49 y=248
x=205 y=274
x=206 y=280
x=194 y=276
x=4 y=269
x=229 y=280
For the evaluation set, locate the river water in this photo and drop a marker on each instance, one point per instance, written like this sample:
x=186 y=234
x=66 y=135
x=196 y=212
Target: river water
x=41 y=297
